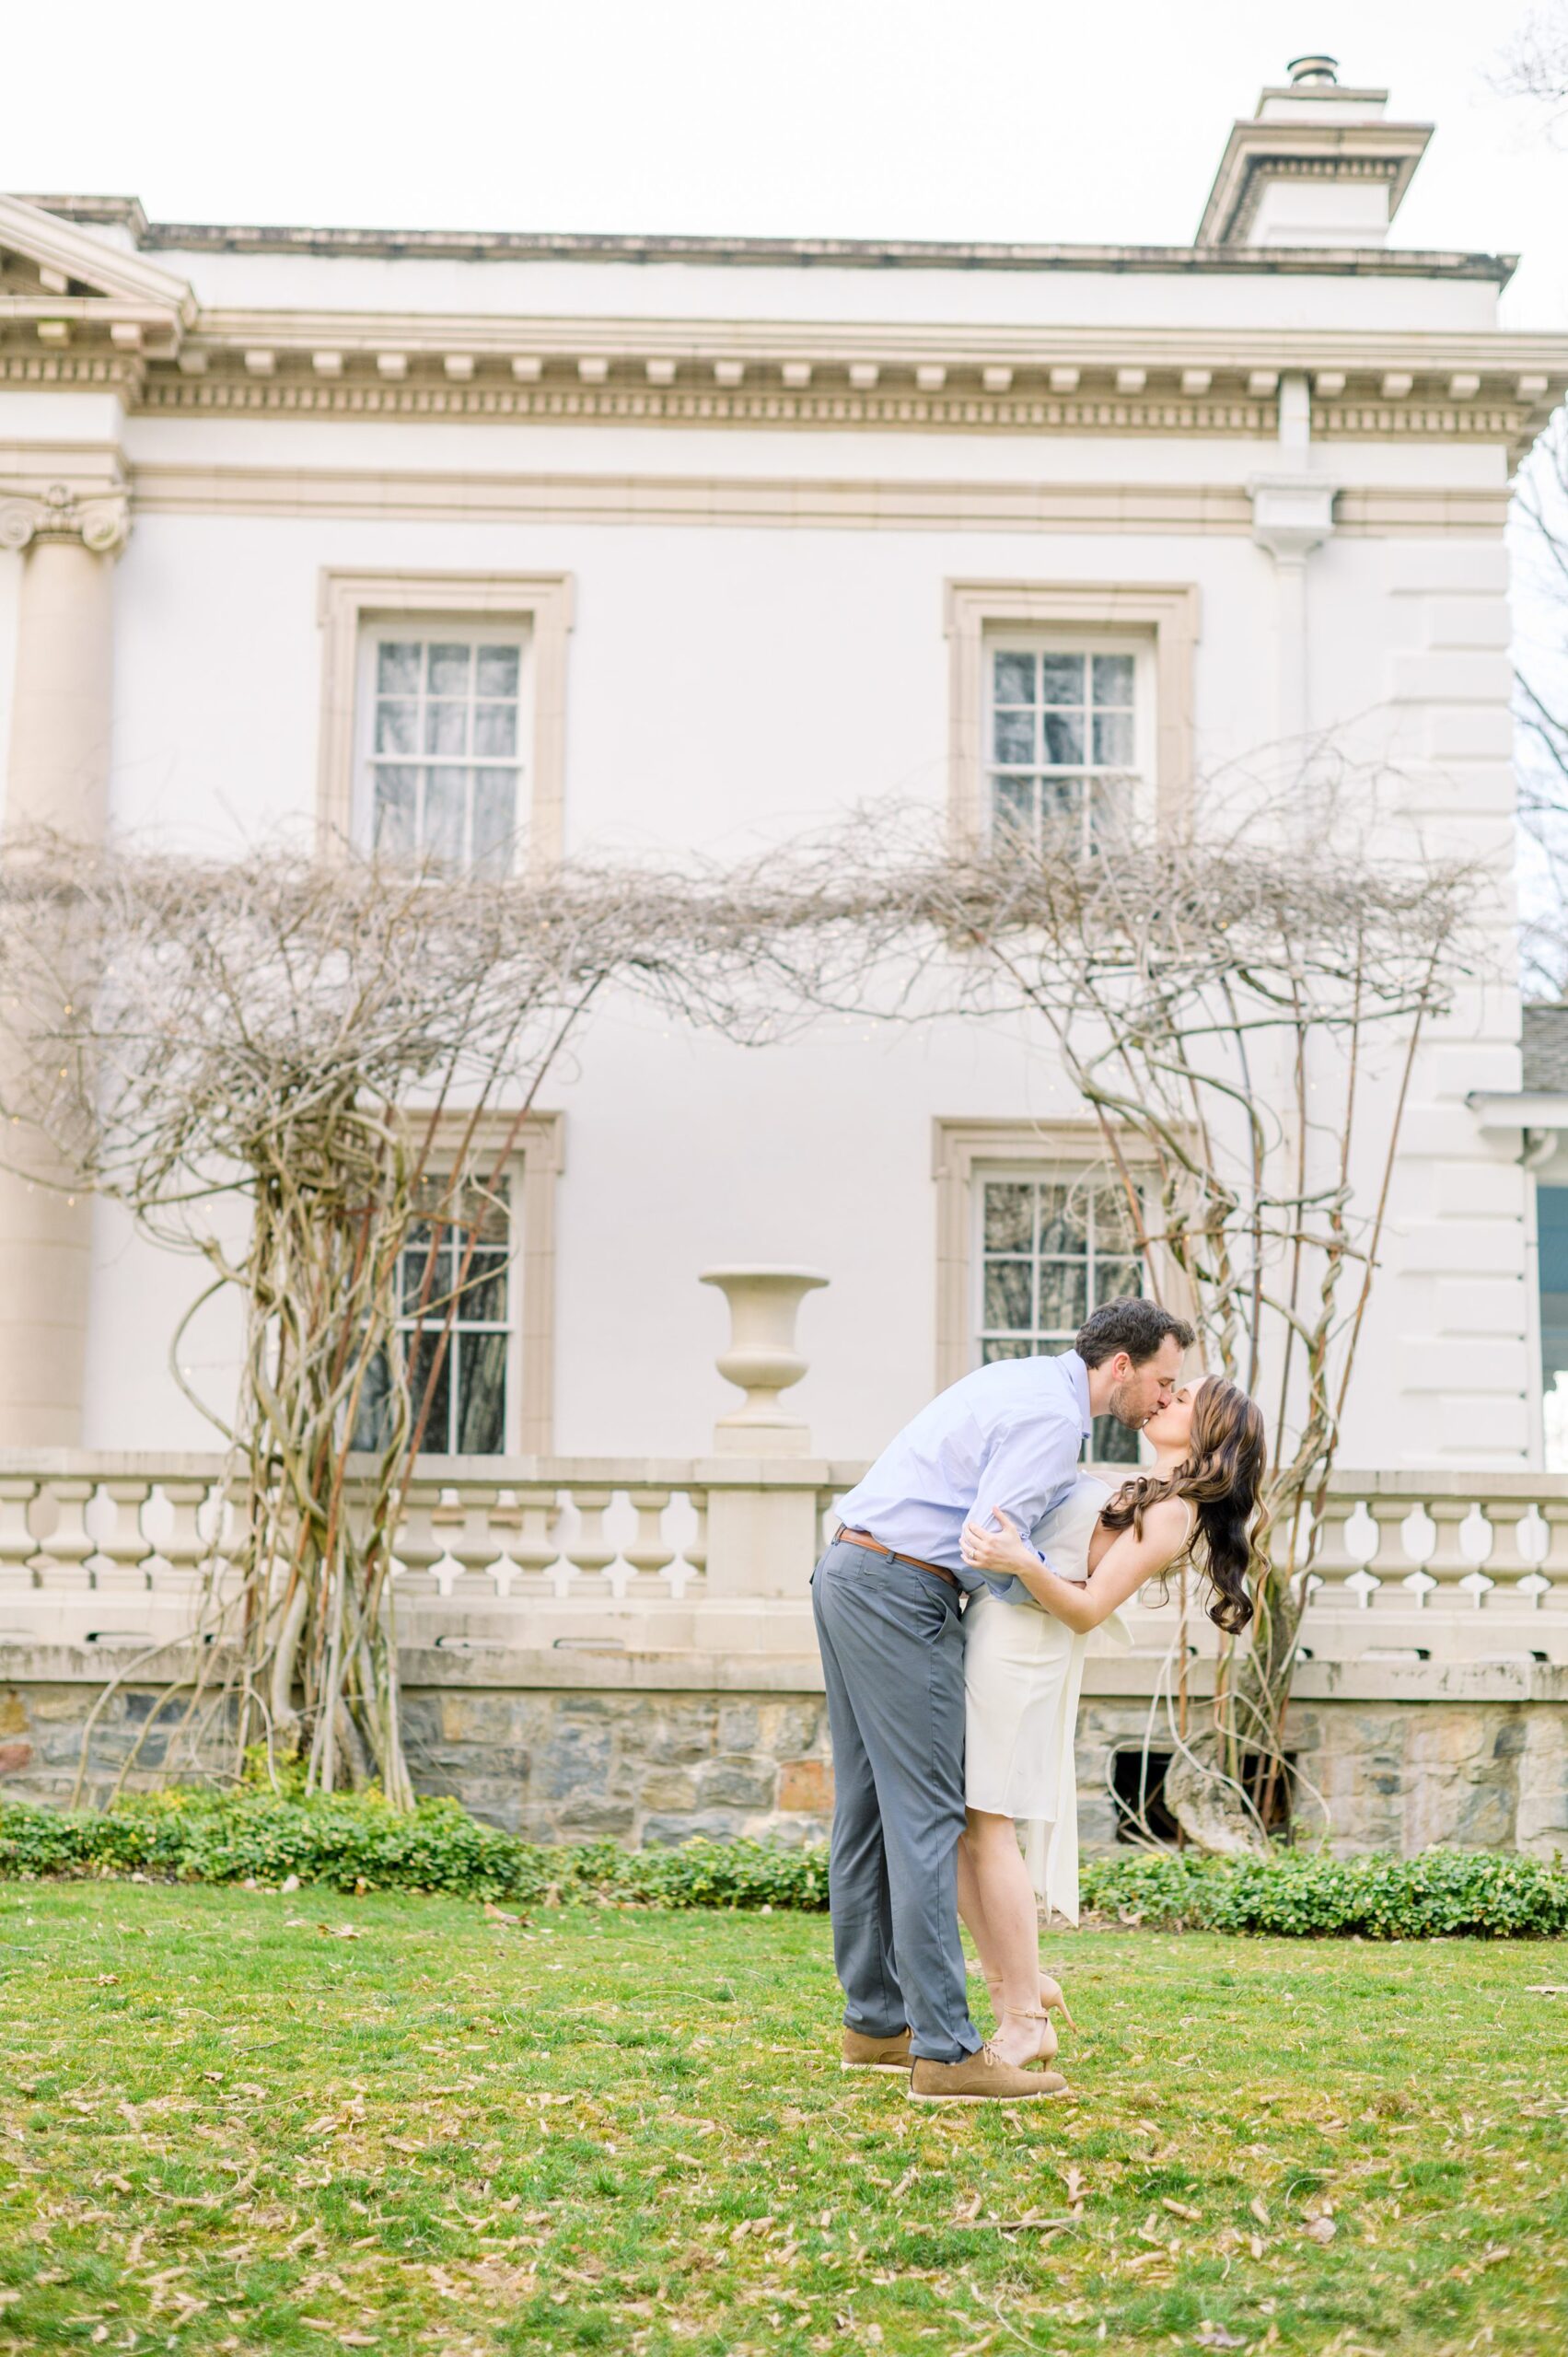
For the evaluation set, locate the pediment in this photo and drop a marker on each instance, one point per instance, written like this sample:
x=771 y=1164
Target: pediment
x=45 y=260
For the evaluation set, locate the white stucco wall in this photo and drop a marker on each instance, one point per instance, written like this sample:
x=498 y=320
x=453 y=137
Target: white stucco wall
x=729 y=682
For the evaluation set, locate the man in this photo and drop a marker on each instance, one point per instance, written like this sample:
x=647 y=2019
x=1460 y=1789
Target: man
x=886 y=1597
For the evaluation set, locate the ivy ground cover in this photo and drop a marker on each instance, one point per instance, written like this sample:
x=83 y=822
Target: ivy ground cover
x=247 y=2121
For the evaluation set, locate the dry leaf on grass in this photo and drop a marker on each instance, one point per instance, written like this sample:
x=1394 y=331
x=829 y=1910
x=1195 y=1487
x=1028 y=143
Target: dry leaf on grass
x=1321 y=2230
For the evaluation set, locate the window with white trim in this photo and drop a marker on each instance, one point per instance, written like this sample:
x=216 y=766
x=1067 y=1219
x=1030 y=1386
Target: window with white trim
x=461 y=1246
x=1066 y=730
x=443 y=723
x=1052 y=1246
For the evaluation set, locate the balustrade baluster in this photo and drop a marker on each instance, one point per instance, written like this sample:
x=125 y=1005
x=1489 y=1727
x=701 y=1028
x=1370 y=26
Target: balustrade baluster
x=18 y=1548
x=536 y=1550
x=1418 y=1537
x=591 y=1554
x=124 y=1548
x=650 y=1551
x=1476 y=1538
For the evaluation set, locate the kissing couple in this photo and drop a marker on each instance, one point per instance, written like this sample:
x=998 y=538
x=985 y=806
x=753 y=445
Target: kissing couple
x=953 y=1609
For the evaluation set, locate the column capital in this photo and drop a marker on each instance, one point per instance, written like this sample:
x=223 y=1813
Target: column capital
x=1292 y=514
x=98 y=514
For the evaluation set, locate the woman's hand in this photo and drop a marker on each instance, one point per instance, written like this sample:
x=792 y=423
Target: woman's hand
x=997 y=1551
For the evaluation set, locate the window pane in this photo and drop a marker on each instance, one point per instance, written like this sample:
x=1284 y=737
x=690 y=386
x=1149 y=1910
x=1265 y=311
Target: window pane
x=422 y=1268
x=1063 y=1224
x=1114 y=739
x=393 y=823
x=1013 y=806
x=1061 y=678
x=1062 y=1297
x=1064 y=737
x=1113 y=1221
x=483 y=1297
x=494 y=819
x=1113 y=1444
x=446 y=727
x=1061 y=801
x=1009 y=1215
x=1115 y=1280
x=437 y=1437
x=397 y=667
x=1013 y=735
x=373 y=1423
x=497 y=671
x=1113 y=678
x=397 y=728
x=993 y=1349
x=1013 y=679
x=1110 y=812
x=448 y=670
x=481 y=1394
x=1008 y=1295
x=445 y=799
x=495 y=730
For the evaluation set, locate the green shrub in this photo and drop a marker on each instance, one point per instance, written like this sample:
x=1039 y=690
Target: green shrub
x=348 y=1840
x=1443 y=1894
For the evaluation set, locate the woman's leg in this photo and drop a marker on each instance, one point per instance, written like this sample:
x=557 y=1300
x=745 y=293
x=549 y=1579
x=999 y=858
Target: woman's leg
x=1004 y=1903
x=971 y=1910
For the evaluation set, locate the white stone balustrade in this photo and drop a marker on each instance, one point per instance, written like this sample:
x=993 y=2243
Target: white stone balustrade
x=537 y=1554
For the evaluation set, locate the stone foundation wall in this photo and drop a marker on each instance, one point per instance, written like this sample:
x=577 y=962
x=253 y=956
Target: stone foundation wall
x=576 y=1762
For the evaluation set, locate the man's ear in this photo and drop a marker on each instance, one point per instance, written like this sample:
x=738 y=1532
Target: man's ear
x=1121 y=1366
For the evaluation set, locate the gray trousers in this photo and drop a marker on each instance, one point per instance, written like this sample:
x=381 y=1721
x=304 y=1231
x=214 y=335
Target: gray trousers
x=892 y=1646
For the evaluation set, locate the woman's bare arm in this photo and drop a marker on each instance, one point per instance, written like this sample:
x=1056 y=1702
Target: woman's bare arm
x=1121 y=1572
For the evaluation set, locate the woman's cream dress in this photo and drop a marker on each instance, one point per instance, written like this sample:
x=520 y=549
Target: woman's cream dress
x=1023 y=1670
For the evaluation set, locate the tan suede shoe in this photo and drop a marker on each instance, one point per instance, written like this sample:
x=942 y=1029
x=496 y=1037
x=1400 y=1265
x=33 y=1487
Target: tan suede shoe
x=862 y=2053
x=981 y=2078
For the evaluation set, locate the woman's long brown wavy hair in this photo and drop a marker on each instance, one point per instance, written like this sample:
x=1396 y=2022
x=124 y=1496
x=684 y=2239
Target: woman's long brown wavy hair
x=1222 y=1473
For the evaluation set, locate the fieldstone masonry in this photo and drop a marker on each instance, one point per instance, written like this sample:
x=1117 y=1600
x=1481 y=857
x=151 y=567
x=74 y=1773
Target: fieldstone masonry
x=566 y=1761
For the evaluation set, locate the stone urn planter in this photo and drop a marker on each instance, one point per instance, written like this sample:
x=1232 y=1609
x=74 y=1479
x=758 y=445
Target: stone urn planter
x=761 y=1359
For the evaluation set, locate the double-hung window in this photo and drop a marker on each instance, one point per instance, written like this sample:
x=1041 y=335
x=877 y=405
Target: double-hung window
x=443 y=724
x=1065 y=730
x=458 y=1256
x=1052 y=1246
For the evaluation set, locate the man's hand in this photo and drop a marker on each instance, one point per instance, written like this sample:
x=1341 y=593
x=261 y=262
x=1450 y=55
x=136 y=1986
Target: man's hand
x=997 y=1551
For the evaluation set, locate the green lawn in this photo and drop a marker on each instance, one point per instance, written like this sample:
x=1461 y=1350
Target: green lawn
x=225 y=2129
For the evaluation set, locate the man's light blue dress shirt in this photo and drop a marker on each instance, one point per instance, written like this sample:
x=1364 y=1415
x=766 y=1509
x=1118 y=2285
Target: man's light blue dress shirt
x=1007 y=1435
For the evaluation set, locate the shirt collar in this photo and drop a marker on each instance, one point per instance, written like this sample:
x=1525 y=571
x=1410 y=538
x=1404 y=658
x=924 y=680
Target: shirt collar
x=1077 y=1376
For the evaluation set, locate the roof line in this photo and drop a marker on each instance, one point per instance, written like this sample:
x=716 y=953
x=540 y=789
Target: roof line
x=836 y=253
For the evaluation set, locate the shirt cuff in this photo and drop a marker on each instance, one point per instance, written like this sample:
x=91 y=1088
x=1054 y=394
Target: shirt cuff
x=1078 y=1579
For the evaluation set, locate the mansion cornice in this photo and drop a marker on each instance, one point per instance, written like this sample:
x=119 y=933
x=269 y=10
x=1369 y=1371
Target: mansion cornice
x=127 y=215
x=1378 y=385
x=76 y=315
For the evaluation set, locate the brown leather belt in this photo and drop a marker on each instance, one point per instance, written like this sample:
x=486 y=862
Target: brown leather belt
x=864 y=1539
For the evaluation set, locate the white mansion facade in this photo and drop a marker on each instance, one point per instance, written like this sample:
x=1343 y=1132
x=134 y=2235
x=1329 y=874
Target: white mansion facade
x=684 y=543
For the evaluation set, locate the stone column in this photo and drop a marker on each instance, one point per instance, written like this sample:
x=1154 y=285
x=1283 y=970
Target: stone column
x=57 y=776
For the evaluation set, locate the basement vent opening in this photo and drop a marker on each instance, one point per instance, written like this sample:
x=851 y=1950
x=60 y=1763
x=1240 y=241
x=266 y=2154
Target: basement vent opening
x=1137 y=1784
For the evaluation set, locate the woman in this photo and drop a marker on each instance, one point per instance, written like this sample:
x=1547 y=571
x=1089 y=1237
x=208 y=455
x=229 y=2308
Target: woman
x=1023 y=1670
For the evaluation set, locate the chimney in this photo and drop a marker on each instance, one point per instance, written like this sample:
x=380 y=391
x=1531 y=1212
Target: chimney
x=1317 y=165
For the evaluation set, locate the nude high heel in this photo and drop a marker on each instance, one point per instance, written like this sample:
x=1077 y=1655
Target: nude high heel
x=1045 y=2037
x=1051 y=1997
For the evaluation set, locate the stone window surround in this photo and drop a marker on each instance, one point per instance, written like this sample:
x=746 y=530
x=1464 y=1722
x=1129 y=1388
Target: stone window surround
x=536 y=1160
x=966 y=1147
x=1167 y=611
x=540 y=602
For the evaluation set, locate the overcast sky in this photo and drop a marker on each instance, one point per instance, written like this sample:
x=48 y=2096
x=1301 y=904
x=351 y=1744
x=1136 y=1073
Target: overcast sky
x=1025 y=118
